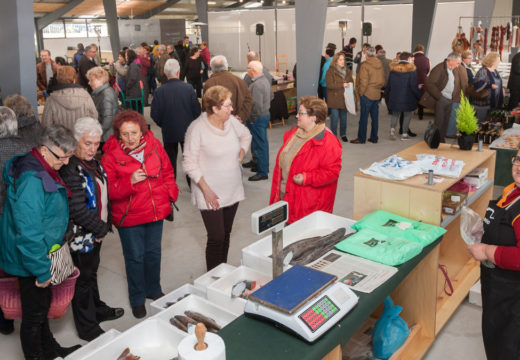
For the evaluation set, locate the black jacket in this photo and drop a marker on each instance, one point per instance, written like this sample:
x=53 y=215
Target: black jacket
x=29 y=129
x=402 y=90
x=106 y=103
x=174 y=107
x=133 y=76
x=84 y=65
x=514 y=77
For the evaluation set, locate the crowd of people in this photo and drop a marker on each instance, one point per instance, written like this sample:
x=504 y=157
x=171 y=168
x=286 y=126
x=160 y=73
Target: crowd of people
x=91 y=167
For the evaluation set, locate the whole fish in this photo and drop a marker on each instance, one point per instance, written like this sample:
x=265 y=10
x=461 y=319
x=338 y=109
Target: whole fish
x=178 y=324
x=198 y=317
x=127 y=355
x=185 y=320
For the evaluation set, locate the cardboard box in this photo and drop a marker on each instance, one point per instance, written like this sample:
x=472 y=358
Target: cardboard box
x=477 y=177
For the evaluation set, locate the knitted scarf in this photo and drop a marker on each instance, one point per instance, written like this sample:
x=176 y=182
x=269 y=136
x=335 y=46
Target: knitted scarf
x=136 y=150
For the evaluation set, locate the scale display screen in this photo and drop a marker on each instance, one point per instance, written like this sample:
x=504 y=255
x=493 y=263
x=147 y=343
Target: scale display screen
x=272 y=218
x=319 y=313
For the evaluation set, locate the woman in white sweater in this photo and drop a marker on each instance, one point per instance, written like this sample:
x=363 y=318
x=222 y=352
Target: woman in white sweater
x=214 y=147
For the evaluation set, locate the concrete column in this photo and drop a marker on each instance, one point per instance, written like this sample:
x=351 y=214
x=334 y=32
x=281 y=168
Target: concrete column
x=202 y=13
x=422 y=22
x=113 y=29
x=18 y=71
x=310 y=27
x=516 y=12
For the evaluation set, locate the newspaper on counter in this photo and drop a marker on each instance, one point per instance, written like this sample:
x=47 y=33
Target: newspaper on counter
x=357 y=273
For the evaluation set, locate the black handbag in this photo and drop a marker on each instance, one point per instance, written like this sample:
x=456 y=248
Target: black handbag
x=432 y=136
x=171 y=217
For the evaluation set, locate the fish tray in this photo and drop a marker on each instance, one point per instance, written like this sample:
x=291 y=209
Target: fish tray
x=319 y=223
x=203 y=281
x=151 y=339
x=160 y=304
x=85 y=351
x=220 y=291
x=196 y=303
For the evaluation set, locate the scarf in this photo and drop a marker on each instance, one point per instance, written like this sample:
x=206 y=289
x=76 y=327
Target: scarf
x=136 y=150
x=53 y=173
x=342 y=71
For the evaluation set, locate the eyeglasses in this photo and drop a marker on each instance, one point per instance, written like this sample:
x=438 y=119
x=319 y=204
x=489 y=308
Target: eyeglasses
x=228 y=105
x=515 y=160
x=61 y=158
x=302 y=113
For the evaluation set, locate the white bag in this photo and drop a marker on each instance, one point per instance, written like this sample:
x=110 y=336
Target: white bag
x=394 y=168
x=471 y=226
x=441 y=166
x=350 y=102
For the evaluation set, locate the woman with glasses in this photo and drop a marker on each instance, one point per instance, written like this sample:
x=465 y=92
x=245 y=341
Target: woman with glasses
x=488 y=78
x=499 y=254
x=141 y=186
x=91 y=217
x=308 y=163
x=214 y=147
x=35 y=219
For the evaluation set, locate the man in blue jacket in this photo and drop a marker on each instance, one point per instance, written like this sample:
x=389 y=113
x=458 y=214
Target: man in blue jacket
x=174 y=107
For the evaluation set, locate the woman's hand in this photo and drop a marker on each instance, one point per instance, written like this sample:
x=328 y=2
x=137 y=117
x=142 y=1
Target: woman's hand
x=241 y=155
x=211 y=198
x=346 y=85
x=138 y=176
x=482 y=252
x=494 y=86
x=99 y=240
x=42 y=285
x=298 y=179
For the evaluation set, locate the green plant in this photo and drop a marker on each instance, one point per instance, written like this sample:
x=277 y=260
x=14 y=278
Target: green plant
x=467 y=122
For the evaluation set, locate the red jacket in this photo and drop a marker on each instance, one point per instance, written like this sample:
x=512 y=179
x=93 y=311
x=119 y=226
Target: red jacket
x=319 y=160
x=145 y=201
x=204 y=53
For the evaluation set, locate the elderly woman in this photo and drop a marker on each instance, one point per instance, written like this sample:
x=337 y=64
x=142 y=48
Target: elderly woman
x=488 y=78
x=104 y=98
x=29 y=126
x=68 y=102
x=467 y=58
x=141 y=188
x=308 y=163
x=134 y=79
x=499 y=253
x=214 y=147
x=337 y=78
x=89 y=211
x=35 y=219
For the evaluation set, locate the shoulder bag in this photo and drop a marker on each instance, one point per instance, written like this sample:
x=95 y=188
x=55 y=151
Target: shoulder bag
x=62 y=265
x=432 y=135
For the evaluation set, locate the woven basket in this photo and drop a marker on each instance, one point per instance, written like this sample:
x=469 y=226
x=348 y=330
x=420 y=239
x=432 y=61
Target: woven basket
x=11 y=303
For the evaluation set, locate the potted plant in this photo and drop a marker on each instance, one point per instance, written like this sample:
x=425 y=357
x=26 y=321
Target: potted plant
x=467 y=123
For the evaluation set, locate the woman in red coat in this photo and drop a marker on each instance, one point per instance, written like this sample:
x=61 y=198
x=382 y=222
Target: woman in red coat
x=308 y=163
x=141 y=187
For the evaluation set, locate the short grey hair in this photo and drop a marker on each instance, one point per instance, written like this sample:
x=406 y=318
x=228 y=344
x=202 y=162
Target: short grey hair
x=219 y=64
x=162 y=47
x=454 y=55
x=97 y=73
x=171 y=67
x=252 y=56
x=90 y=47
x=256 y=66
x=19 y=104
x=8 y=122
x=59 y=136
x=87 y=125
x=381 y=52
x=371 y=51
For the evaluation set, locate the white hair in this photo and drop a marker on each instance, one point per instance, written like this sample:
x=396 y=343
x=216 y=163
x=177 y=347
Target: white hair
x=371 y=51
x=454 y=55
x=87 y=125
x=256 y=66
x=8 y=122
x=218 y=64
x=171 y=67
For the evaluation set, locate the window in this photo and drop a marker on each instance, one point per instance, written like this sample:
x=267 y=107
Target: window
x=75 y=28
x=95 y=26
x=54 y=30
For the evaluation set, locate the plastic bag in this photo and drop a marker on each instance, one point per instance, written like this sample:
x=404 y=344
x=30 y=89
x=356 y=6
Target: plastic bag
x=390 y=331
x=394 y=168
x=440 y=165
x=350 y=102
x=471 y=226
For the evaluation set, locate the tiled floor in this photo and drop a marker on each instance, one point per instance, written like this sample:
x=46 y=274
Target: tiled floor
x=184 y=244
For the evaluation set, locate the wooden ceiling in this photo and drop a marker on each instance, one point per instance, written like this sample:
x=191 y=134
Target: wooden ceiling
x=95 y=7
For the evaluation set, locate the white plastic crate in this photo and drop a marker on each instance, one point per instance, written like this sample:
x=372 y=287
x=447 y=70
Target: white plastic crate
x=160 y=304
x=151 y=339
x=319 y=223
x=86 y=349
x=220 y=291
x=206 y=279
x=198 y=304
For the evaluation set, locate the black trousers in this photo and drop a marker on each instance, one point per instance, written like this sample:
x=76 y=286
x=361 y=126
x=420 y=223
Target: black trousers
x=172 y=149
x=514 y=99
x=35 y=334
x=218 y=226
x=86 y=304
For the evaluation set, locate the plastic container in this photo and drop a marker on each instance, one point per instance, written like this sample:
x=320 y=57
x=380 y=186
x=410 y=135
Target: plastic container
x=11 y=303
x=151 y=339
x=98 y=342
x=319 y=223
x=220 y=291
x=160 y=304
x=198 y=304
x=203 y=281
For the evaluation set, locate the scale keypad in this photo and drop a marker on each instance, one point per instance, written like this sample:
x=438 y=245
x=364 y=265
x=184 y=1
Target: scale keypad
x=319 y=313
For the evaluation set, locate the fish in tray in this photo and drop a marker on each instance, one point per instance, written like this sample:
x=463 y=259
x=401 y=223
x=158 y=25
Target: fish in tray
x=127 y=355
x=170 y=303
x=183 y=322
x=305 y=251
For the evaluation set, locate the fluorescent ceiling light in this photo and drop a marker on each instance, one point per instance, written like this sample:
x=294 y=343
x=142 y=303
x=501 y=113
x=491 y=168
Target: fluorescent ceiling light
x=212 y=3
x=253 y=5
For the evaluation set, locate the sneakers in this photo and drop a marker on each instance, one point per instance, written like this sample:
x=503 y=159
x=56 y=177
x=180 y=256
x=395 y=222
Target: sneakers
x=404 y=137
x=411 y=134
x=392 y=134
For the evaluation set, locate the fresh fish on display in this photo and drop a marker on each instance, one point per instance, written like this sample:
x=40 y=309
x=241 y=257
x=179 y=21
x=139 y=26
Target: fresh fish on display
x=127 y=355
x=239 y=289
x=209 y=322
x=178 y=324
x=170 y=303
x=185 y=320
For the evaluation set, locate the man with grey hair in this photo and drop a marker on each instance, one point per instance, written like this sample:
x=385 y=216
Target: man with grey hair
x=253 y=56
x=370 y=81
x=240 y=94
x=45 y=70
x=443 y=87
x=159 y=66
x=174 y=107
x=87 y=62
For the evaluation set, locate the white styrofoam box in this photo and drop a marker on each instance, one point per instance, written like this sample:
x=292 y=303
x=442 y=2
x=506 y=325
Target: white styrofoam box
x=475 y=295
x=203 y=281
x=477 y=177
x=86 y=349
x=220 y=291
x=160 y=304
x=151 y=339
x=319 y=223
x=198 y=304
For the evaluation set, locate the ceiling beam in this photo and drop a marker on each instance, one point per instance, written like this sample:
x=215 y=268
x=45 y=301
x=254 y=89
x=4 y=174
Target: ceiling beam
x=53 y=16
x=156 y=10
x=237 y=4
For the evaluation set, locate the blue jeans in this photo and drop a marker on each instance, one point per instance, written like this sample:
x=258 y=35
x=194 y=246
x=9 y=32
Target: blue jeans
x=260 y=143
x=324 y=92
x=368 y=107
x=142 y=252
x=342 y=115
x=452 y=124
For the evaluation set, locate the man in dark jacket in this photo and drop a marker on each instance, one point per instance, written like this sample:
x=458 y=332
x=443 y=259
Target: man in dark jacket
x=348 y=50
x=514 y=83
x=174 y=107
x=422 y=63
x=87 y=62
x=77 y=56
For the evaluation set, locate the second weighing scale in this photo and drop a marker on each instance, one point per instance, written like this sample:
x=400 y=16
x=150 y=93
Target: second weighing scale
x=302 y=300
